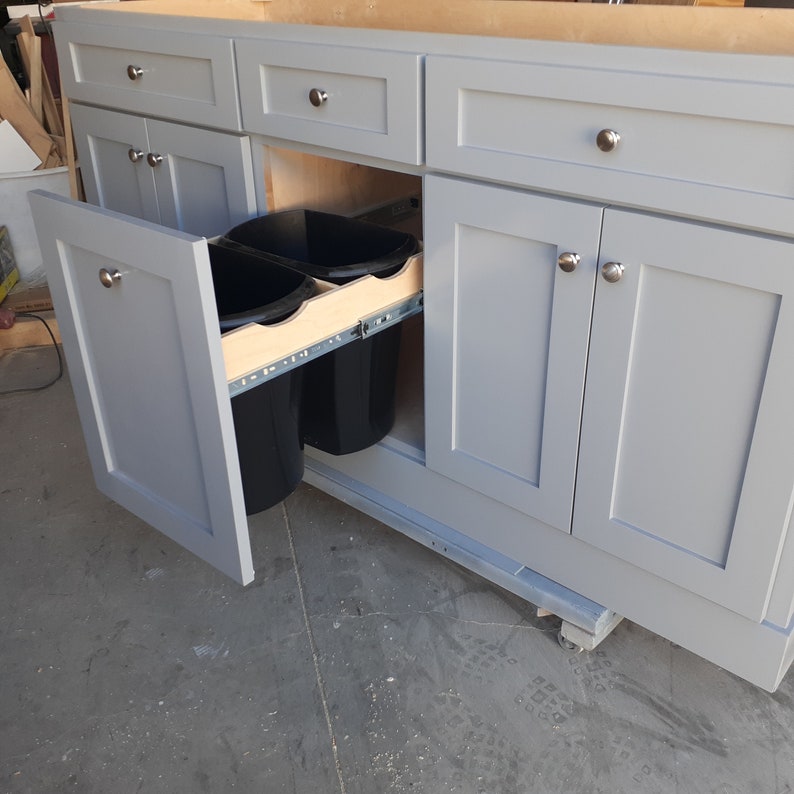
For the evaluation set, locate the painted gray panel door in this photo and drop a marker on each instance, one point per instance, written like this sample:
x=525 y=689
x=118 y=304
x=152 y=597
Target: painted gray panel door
x=112 y=180
x=506 y=341
x=205 y=182
x=147 y=370
x=686 y=466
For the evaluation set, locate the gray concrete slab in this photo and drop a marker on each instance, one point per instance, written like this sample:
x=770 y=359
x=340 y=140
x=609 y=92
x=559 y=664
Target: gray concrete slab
x=358 y=662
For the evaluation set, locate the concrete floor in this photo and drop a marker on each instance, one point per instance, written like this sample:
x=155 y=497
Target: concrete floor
x=359 y=662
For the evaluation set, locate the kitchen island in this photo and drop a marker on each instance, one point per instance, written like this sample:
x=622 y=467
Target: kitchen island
x=592 y=409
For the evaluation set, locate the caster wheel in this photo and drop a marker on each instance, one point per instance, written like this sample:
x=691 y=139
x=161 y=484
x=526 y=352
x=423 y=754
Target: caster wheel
x=567 y=645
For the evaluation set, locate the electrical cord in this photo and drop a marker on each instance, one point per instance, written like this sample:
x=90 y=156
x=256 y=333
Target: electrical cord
x=57 y=353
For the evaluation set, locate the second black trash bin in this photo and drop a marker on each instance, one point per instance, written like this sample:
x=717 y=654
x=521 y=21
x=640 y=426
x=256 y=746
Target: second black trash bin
x=267 y=418
x=348 y=395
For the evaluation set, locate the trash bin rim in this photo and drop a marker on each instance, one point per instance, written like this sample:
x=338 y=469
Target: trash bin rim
x=392 y=260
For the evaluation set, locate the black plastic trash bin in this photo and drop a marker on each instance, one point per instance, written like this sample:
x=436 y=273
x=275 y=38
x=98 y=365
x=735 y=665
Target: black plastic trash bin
x=267 y=418
x=348 y=394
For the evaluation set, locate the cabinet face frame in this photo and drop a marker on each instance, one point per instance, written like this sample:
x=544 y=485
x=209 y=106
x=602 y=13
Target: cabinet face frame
x=696 y=334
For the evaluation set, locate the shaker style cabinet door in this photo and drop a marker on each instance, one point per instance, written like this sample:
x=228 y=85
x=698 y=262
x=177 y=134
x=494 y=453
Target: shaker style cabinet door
x=686 y=466
x=509 y=279
x=137 y=312
x=204 y=179
x=112 y=148
x=198 y=181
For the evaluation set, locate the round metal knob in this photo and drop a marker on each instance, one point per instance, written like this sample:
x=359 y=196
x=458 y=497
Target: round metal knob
x=154 y=159
x=109 y=277
x=317 y=97
x=607 y=140
x=134 y=72
x=135 y=155
x=612 y=272
x=568 y=261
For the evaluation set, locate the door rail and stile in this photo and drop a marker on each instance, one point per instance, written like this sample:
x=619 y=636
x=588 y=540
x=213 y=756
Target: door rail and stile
x=255 y=354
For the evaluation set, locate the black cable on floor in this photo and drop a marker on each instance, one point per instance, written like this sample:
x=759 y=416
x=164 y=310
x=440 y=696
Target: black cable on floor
x=57 y=353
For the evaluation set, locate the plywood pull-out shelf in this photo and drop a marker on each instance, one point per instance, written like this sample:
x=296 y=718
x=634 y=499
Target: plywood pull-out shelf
x=337 y=316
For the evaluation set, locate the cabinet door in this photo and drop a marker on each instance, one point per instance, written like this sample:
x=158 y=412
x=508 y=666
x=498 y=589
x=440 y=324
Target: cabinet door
x=112 y=149
x=148 y=374
x=506 y=341
x=686 y=465
x=205 y=182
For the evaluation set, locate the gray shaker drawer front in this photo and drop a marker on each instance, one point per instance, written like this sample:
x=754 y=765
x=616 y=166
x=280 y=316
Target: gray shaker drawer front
x=347 y=98
x=619 y=135
x=159 y=73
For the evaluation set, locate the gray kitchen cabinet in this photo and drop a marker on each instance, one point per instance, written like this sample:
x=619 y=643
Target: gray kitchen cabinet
x=196 y=180
x=593 y=445
x=686 y=467
x=507 y=319
x=681 y=383
x=348 y=98
x=135 y=303
x=171 y=74
x=153 y=378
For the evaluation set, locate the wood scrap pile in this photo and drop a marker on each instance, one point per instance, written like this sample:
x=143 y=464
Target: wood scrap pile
x=33 y=135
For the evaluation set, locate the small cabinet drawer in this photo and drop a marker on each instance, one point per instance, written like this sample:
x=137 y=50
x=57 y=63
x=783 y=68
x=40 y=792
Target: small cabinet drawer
x=660 y=140
x=345 y=98
x=159 y=73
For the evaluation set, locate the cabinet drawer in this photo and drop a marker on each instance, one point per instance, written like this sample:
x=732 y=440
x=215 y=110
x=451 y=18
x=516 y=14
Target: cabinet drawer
x=346 y=98
x=538 y=125
x=338 y=313
x=160 y=73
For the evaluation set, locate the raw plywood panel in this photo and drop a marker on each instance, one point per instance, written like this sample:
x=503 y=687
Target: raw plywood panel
x=758 y=30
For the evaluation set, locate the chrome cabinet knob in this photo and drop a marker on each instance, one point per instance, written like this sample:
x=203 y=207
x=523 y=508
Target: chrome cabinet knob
x=568 y=261
x=607 y=140
x=135 y=155
x=134 y=72
x=612 y=272
x=109 y=277
x=317 y=97
x=154 y=159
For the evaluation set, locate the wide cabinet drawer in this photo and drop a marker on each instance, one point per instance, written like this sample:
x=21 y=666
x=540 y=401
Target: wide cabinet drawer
x=346 y=98
x=628 y=136
x=153 y=377
x=159 y=73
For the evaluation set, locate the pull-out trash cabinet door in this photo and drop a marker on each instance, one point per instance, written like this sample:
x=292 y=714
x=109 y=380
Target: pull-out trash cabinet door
x=137 y=314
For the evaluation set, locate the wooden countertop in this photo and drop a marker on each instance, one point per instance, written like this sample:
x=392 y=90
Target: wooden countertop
x=706 y=28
